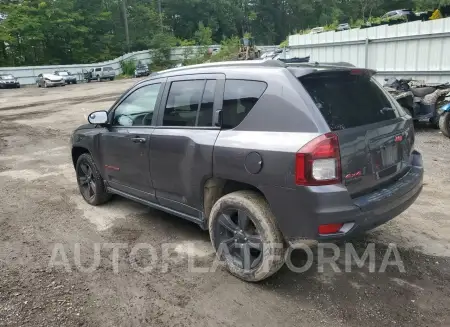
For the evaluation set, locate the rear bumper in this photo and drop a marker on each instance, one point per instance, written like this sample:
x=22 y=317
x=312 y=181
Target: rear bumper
x=9 y=85
x=300 y=211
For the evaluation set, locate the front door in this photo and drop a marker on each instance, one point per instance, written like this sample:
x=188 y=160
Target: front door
x=125 y=147
x=181 y=147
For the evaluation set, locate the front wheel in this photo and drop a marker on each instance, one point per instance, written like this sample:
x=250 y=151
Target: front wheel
x=245 y=236
x=90 y=182
x=444 y=124
x=112 y=78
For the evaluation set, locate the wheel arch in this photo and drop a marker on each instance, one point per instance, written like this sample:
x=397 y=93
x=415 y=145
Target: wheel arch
x=214 y=188
x=77 y=151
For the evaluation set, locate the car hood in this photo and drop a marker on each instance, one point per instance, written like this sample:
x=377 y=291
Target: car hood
x=52 y=77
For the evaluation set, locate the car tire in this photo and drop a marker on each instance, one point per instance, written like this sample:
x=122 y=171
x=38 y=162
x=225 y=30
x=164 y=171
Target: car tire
x=260 y=227
x=444 y=124
x=90 y=182
x=75 y=82
x=112 y=78
x=98 y=78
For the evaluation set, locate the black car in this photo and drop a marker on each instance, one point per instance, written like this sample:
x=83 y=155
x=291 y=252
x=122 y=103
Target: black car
x=141 y=70
x=8 y=80
x=67 y=76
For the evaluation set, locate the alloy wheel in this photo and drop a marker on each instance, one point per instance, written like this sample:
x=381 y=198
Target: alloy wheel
x=239 y=239
x=86 y=180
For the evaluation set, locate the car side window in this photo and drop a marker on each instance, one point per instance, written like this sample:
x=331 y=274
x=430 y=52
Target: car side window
x=138 y=108
x=239 y=98
x=98 y=69
x=184 y=102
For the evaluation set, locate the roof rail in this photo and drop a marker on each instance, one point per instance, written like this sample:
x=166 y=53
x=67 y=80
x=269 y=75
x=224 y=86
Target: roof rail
x=266 y=63
x=322 y=65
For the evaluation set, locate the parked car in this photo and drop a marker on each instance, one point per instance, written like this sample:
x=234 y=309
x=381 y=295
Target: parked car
x=141 y=70
x=317 y=30
x=343 y=27
x=8 y=80
x=47 y=80
x=258 y=153
x=67 y=76
x=401 y=13
x=99 y=73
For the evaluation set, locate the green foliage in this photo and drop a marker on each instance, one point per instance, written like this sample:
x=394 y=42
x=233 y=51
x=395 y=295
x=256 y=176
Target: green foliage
x=38 y=32
x=128 y=67
x=162 y=44
x=203 y=35
x=284 y=44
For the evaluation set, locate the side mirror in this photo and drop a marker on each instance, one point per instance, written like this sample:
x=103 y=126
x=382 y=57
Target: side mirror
x=98 y=117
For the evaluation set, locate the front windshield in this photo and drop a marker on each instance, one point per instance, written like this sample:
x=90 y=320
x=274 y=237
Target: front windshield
x=6 y=77
x=63 y=74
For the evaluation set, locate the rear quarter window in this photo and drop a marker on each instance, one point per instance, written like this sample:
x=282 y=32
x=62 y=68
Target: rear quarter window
x=239 y=98
x=347 y=100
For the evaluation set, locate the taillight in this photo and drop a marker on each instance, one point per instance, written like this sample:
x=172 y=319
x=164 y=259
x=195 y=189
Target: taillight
x=319 y=162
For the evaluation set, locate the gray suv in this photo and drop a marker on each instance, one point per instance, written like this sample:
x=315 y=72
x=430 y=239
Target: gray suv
x=259 y=153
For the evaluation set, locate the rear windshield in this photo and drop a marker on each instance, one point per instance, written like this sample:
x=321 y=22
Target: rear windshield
x=347 y=100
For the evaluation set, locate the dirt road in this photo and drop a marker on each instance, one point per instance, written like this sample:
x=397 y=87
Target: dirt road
x=42 y=213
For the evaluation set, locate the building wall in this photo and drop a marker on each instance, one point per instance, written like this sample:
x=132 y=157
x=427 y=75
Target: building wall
x=419 y=50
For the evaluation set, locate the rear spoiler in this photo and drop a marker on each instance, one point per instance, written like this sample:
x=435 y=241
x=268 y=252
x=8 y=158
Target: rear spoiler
x=345 y=66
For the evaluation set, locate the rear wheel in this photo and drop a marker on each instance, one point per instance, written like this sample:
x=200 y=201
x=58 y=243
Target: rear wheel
x=444 y=124
x=245 y=236
x=90 y=182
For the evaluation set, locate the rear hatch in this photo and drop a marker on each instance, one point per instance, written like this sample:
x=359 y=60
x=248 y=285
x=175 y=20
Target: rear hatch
x=376 y=138
x=108 y=71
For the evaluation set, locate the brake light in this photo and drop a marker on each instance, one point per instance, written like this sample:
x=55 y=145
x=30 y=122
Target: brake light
x=319 y=162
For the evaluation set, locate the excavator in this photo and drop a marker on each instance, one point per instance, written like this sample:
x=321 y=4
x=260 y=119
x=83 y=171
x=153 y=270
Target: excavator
x=248 y=50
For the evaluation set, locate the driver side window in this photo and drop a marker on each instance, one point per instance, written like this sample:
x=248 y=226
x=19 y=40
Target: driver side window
x=137 y=109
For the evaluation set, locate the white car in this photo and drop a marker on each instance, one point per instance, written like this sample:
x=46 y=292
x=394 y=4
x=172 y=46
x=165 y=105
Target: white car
x=317 y=30
x=47 y=80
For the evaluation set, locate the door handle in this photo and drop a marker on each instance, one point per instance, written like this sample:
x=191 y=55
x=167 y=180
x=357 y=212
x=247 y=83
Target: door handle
x=139 y=139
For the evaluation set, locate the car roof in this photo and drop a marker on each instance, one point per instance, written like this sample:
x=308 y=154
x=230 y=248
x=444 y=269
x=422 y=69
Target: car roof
x=251 y=69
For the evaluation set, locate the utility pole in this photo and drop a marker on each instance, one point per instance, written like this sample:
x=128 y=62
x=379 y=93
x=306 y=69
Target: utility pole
x=160 y=14
x=125 y=21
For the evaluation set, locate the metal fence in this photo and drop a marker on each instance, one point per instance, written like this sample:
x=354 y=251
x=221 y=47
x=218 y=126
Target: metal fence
x=27 y=75
x=419 y=50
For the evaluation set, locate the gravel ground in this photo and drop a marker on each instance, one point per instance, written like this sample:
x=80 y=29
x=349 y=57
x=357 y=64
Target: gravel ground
x=42 y=213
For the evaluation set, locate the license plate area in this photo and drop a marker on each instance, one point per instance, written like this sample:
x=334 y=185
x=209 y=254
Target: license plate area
x=386 y=158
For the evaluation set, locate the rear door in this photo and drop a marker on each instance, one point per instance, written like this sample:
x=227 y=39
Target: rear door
x=182 y=143
x=376 y=137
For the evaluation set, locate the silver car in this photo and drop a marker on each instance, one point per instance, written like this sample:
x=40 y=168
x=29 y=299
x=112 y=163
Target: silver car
x=343 y=27
x=47 y=80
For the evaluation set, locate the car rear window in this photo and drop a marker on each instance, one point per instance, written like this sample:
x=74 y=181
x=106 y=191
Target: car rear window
x=107 y=69
x=348 y=100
